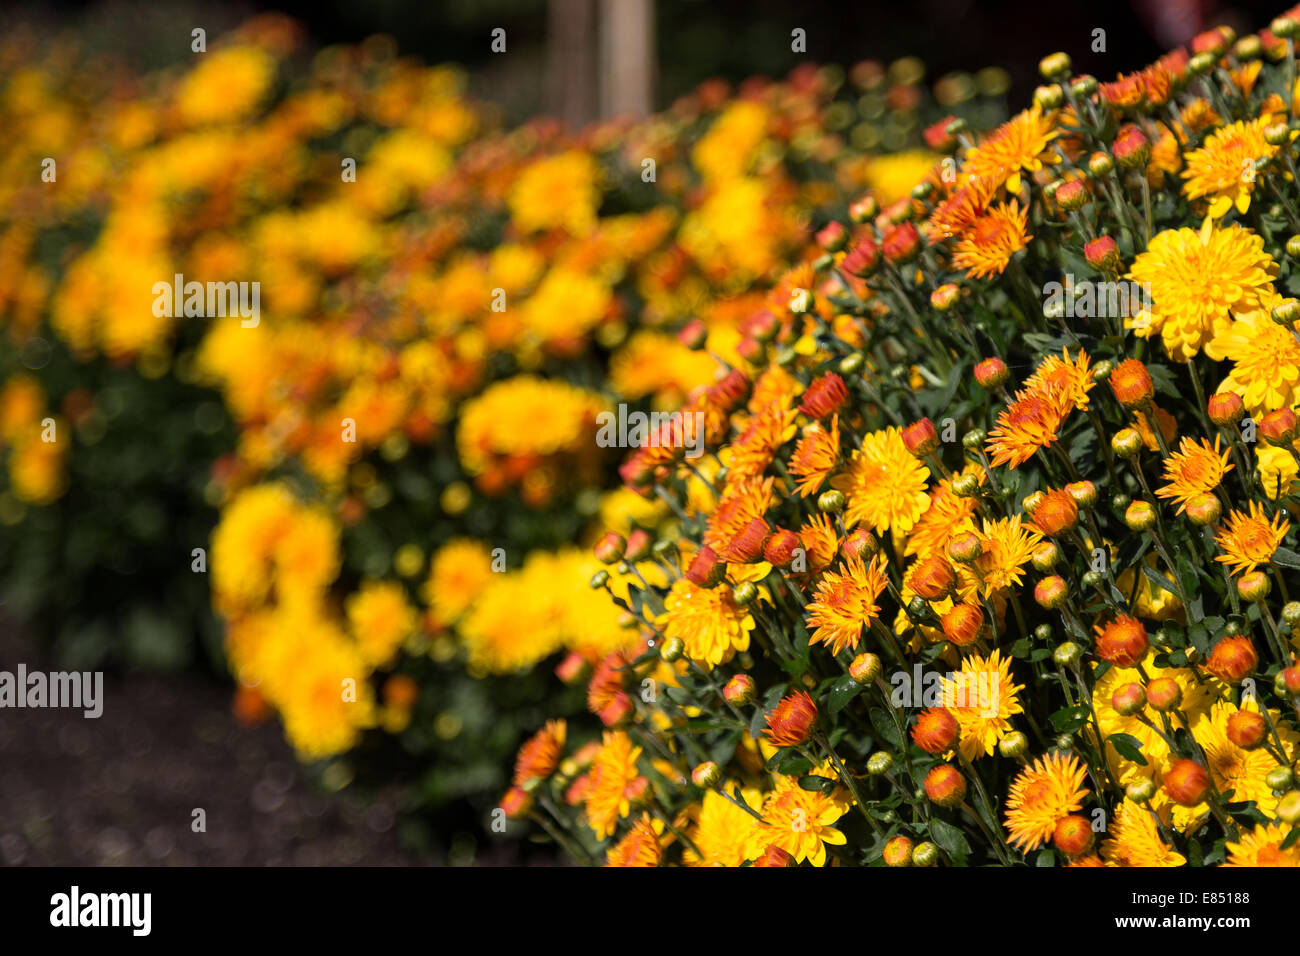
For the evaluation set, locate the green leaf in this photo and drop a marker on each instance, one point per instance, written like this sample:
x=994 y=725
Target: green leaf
x=793 y=764
x=1158 y=579
x=1287 y=558
x=951 y=840
x=844 y=691
x=1069 y=718
x=885 y=728
x=1128 y=747
x=1045 y=858
x=816 y=784
x=1291 y=838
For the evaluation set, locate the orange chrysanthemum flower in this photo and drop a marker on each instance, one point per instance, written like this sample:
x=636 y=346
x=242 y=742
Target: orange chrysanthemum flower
x=820 y=542
x=1196 y=468
x=768 y=430
x=1250 y=539
x=613 y=774
x=987 y=246
x=639 y=848
x=947 y=516
x=1020 y=144
x=845 y=603
x=540 y=754
x=1041 y=796
x=958 y=212
x=742 y=500
x=791 y=721
x=1032 y=421
x=1068 y=379
x=815 y=456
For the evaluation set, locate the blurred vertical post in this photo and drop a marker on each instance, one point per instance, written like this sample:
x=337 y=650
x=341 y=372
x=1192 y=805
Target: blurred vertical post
x=571 y=61
x=627 y=44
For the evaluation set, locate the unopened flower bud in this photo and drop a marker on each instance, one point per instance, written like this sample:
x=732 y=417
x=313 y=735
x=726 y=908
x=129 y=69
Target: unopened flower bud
x=1279 y=778
x=1071 y=195
x=920 y=438
x=740 y=690
x=1140 y=516
x=991 y=372
x=879 y=763
x=1048 y=98
x=832 y=237
x=693 y=335
x=1130 y=699
x=1253 y=586
x=1247 y=729
x=965 y=547
x=1054 y=66
x=861 y=543
x=945 y=786
x=1067 y=654
x=1186 y=782
x=706 y=776
x=1102 y=254
x=831 y=502
x=944 y=297
x=610 y=548
x=1126 y=443
x=1288 y=808
x=1046 y=556
x=1100 y=165
x=1204 y=509
x=706 y=570
x=925 y=854
x=864 y=209
x=865 y=668
x=1051 y=592
x=1013 y=745
x=672 y=649
x=965 y=486
x=898 y=852
x=1141 y=790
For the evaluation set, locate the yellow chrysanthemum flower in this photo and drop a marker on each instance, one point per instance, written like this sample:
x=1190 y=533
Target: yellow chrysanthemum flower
x=983 y=698
x=1223 y=169
x=1134 y=839
x=709 y=622
x=557 y=192
x=798 y=821
x=459 y=572
x=1197 y=282
x=1241 y=771
x=885 y=485
x=1263 y=847
x=380 y=618
x=722 y=829
x=1041 y=795
x=1265 y=359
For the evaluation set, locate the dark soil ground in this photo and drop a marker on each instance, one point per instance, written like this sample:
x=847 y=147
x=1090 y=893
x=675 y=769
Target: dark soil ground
x=121 y=789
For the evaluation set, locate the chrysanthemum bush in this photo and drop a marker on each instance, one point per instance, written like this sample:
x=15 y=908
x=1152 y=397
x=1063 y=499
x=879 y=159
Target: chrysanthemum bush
x=989 y=560
x=401 y=444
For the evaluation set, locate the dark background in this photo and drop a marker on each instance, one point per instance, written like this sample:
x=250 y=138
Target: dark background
x=696 y=39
